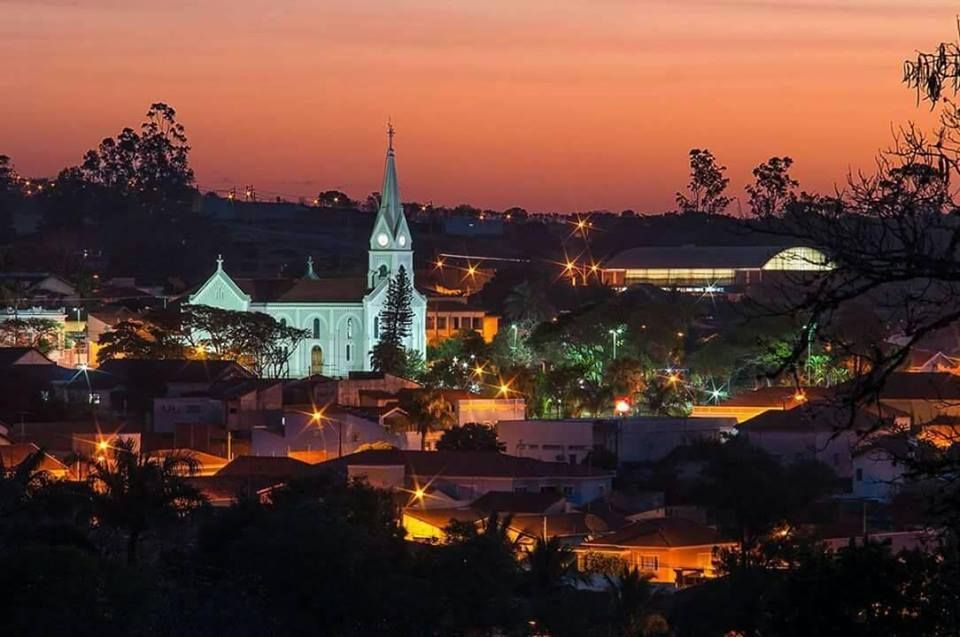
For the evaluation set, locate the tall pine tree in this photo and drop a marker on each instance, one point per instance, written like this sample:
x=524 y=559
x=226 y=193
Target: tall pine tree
x=396 y=320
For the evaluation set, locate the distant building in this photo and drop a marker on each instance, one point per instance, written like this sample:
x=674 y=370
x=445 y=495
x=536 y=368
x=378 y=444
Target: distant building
x=447 y=316
x=748 y=404
x=635 y=439
x=709 y=269
x=341 y=315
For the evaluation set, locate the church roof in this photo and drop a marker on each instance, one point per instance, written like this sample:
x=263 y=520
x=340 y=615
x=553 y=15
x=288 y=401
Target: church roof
x=350 y=289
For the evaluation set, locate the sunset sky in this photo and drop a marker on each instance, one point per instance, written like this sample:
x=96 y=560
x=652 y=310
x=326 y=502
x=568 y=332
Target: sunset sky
x=545 y=104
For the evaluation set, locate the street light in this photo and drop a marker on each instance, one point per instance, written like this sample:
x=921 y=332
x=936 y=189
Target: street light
x=614 y=333
x=318 y=417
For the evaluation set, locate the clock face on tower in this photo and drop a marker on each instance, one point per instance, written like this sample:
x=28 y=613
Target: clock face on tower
x=402 y=241
x=382 y=240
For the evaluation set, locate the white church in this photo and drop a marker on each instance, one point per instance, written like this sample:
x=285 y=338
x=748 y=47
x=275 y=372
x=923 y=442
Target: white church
x=341 y=315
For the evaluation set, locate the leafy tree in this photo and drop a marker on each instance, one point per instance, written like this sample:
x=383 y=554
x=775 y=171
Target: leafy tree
x=773 y=189
x=707 y=185
x=396 y=319
x=335 y=199
x=136 y=491
x=472 y=436
x=42 y=334
x=253 y=339
x=751 y=493
x=150 y=168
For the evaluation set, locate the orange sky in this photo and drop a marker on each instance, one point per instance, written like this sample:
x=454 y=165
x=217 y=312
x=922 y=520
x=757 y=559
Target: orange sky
x=546 y=104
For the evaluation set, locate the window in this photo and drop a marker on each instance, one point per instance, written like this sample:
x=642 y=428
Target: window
x=441 y=322
x=429 y=322
x=519 y=489
x=316 y=328
x=349 y=328
x=859 y=475
x=348 y=352
x=567 y=490
x=477 y=322
x=94 y=399
x=455 y=322
x=648 y=563
x=376 y=327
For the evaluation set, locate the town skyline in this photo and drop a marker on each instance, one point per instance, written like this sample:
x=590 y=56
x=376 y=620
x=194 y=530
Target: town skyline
x=592 y=122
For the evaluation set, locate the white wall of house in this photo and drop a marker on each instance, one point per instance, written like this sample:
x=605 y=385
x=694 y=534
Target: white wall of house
x=169 y=412
x=301 y=433
x=548 y=440
x=876 y=475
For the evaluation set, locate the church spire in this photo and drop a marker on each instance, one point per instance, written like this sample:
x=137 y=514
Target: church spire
x=310 y=274
x=390 y=229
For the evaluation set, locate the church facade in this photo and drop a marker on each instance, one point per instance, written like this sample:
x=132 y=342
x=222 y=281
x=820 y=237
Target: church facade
x=340 y=315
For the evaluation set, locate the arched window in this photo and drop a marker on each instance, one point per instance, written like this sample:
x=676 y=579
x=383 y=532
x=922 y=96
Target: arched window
x=283 y=322
x=349 y=347
x=376 y=327
x=316 y=360
x=383 y=271
x=349 y=328
x=316 y=328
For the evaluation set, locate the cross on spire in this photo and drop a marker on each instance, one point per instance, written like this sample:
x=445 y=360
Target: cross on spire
x=390 y=133
x=219 y=262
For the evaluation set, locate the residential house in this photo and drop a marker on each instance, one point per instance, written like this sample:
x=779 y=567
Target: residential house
x=470 y=474
x=318 y=434
x=824 y=431
x=673 y=551
x=11 y=456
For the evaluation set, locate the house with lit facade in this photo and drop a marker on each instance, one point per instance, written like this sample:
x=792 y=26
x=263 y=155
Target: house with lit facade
x=341 y=315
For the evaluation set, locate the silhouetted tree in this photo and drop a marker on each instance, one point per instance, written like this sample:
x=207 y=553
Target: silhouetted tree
x=472 y=436
x=773 y=189
x=707 y=185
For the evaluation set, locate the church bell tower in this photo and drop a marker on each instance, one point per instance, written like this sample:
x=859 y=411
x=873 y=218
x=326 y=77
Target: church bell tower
x=390 y=242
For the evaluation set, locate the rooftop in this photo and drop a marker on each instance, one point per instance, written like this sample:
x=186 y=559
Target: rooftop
x=465 y=464
x=304 y=290
x=692 y=256
x=280 y=467
x=658 y=533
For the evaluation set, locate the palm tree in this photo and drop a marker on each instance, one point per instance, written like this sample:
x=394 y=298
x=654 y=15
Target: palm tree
x=528 y=303
x=631 y=596
x=550 y=565
x=19 y=482
x=429 y=411
x=136 y=491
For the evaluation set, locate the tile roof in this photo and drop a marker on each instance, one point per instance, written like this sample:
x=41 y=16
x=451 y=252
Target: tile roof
x=466 y=464
x=12 y=355
x=225 y=489
x=782 y=397
x=304 y=290
x=169 y=370
x=510 y=502
x=813 y=417
x=921 y=386
x=658 y=533
x=280 y=467
x=13 y=455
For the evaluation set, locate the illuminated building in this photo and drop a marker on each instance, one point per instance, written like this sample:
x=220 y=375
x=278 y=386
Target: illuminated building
x=706 y=269
x=340 y=315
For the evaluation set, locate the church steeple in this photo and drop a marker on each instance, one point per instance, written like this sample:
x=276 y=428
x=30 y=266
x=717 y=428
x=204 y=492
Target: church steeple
x=390 y=230
x=390 y=242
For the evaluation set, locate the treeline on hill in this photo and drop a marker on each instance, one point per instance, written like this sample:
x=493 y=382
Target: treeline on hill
x=132 y=207
x=135 y=550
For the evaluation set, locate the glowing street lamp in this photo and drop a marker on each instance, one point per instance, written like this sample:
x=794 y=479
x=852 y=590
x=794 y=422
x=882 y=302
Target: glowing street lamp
x=622 y=407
